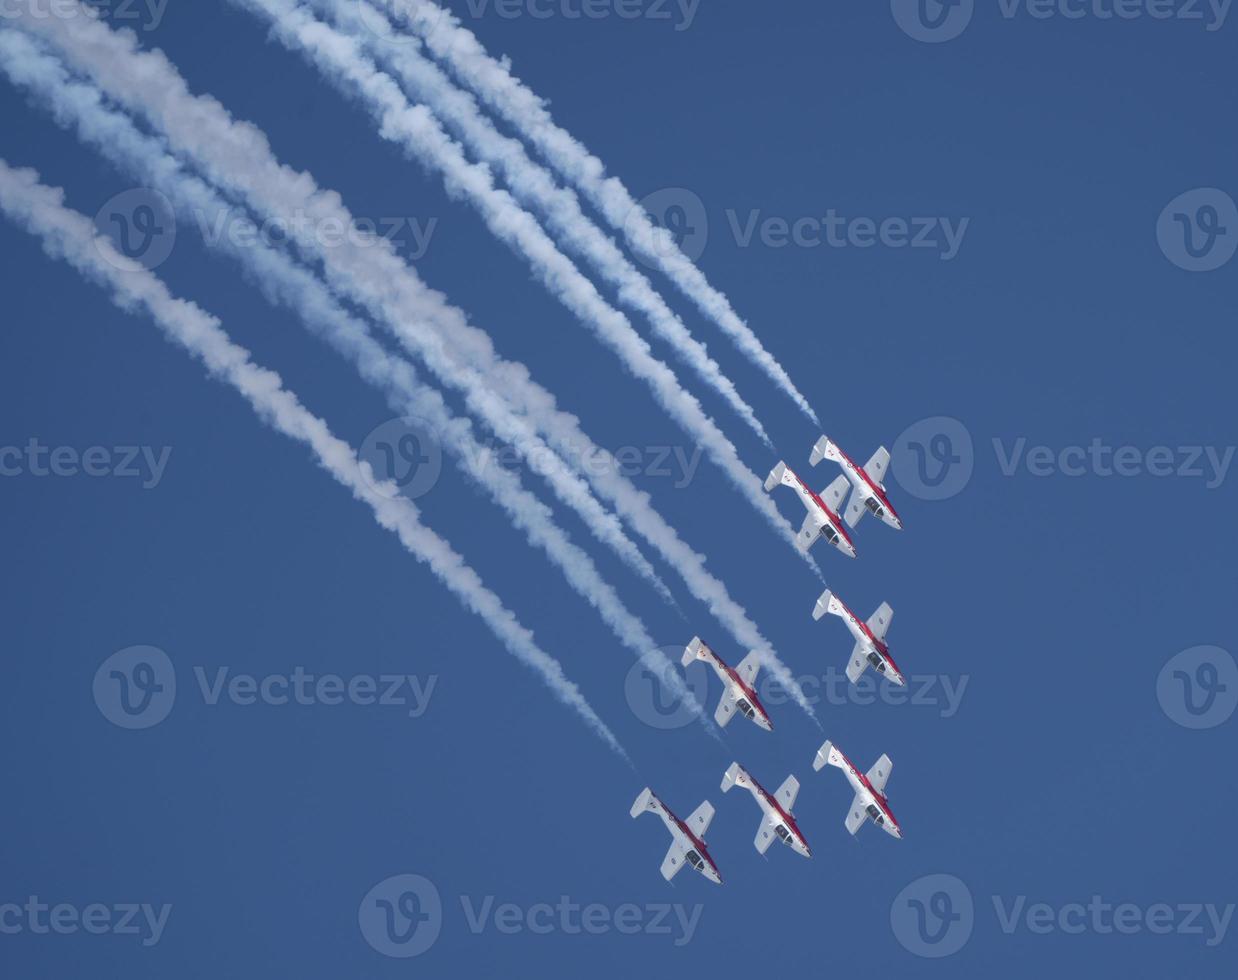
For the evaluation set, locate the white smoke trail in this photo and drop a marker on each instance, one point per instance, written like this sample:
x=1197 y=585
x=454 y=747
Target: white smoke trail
x=532 y=185
x=492 y=80
x=286 y=283
x=71 y=236
x=416 y=130
x=237 y=157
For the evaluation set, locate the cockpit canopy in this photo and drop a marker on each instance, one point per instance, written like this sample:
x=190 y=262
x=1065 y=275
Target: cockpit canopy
x=695 y=860
x=745 y=708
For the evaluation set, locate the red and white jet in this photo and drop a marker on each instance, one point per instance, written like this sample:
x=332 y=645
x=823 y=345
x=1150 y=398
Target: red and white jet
x=869 y=493
x=738 y=685
x=687 y=839
x=822 y=520
x=777 y=820
x=870 y=646
x=870 y=802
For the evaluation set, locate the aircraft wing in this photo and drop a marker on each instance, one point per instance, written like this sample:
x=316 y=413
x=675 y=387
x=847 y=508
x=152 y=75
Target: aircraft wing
x=880 y=773
x=879 y=622
x=833 y=494
x=855 y=509
x=856 y=815
x=674 y=861
x=787 y=793
x=748 y=668
x=701 y=817
x=808 y=532
x=726 y=709
x=876 y=467
x=765 y=836
x=857 y=664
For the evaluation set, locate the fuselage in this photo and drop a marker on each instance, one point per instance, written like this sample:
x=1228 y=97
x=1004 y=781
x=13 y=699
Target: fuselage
x=744 y=695
x=874 y=647
x=874 y=802
x=875 y=498
x=783 y=821
x=837 y=531
x=679 y=830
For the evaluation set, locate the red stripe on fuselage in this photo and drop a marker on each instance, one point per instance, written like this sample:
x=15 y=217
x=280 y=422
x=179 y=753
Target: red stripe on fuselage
x=863 y=475
x=878 y=798
x=786 y=817
x=834 y=519
x=698 y=845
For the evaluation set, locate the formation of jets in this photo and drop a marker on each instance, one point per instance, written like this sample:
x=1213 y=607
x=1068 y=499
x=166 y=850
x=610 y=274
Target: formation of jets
x=826 y=518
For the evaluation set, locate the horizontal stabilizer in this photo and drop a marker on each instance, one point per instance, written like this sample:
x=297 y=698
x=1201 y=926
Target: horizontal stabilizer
x=828 y=755
x=644 y=803
x=819 y=450
x=696 y=650
x=732 y=776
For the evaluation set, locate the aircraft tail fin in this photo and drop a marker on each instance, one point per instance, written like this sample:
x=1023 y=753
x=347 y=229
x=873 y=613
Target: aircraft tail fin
x=823 y=604
x=696 y=650
x=644 y=803
x=732 y=776
x=779 y=474
x=820 y=451
x=827 y=755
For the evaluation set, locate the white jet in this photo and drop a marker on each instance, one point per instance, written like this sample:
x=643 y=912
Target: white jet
x=687 y=839
x=739 y=685
x=776 y=820
x=870 y=646
x=822 y=520
x=870 y=802
x=869 y=494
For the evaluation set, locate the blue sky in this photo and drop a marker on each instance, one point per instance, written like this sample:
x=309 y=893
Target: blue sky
x=1049 y=755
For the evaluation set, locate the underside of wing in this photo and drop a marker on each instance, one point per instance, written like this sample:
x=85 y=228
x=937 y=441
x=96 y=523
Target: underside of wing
x=855 y=816
x=765 y=836
x=726 y=709
x=674 y=861
x=876 y=467
x=880 y=773
x=808 y=533
x=879 y=622
x=857 y=664
x=787 y=793
x=748 y=667
x=834 y=494
x=855 y=508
